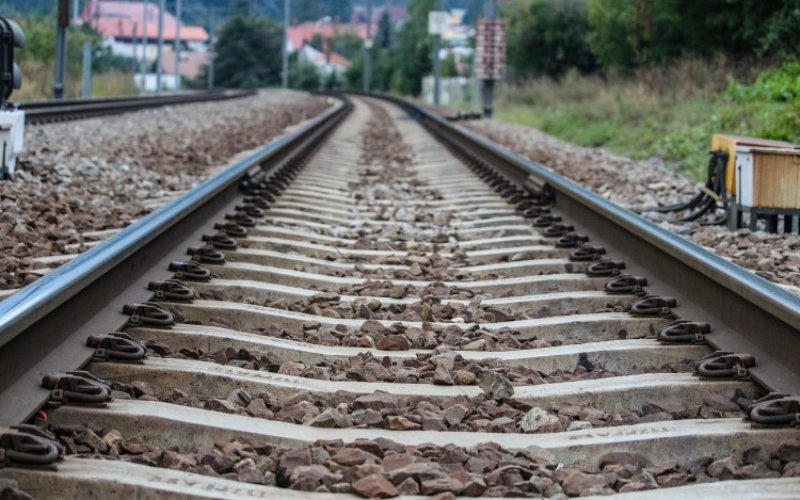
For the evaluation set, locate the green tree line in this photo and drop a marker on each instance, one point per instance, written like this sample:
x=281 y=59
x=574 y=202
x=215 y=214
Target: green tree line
x=551 y=37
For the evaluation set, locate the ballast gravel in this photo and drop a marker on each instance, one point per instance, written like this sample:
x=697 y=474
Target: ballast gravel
x=381 y=468
x=102 y=173
x=638 y=184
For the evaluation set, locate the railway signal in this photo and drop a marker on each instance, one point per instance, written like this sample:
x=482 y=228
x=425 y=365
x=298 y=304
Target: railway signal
x=12 y=120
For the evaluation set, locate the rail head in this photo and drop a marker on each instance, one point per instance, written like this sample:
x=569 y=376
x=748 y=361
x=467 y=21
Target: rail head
x=35 y=301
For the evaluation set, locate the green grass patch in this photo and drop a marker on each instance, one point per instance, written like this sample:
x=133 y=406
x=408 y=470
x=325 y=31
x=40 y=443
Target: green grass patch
x=668 y=118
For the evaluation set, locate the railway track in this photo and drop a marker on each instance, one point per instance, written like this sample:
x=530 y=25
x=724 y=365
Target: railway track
x=358 y=312
x=75 y=109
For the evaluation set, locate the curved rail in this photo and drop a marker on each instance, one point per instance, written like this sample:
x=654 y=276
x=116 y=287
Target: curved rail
x=751 y=314
x=73 y=109
x=33 y=321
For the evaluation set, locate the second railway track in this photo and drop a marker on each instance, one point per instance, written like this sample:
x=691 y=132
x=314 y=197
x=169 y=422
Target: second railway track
x=360 y=313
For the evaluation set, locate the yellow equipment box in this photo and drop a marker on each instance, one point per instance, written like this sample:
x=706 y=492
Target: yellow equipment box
x=729 y=143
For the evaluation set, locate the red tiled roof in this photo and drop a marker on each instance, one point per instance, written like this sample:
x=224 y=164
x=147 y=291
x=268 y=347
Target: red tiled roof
x=304 y=32
x=121 y=19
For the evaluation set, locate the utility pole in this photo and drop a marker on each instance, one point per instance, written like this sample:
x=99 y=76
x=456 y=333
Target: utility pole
x=135 y=42
x=437 y=64
x=61 y=49
x=177 y=44
x=145 y=16
x=368 y=49
x=86 y=91
x=160 y=47
x=285 y=73
x=212 y=26
x=490 y=12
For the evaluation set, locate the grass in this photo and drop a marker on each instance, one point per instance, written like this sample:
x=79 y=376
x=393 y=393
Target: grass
x=668 y=113
x=37 y=84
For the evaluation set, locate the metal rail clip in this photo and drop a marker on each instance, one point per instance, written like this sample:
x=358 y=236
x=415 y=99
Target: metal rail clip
x=571 y=240
x=151 y=314
x=206 y=255
x=250 y=209
x=232 y=230
x=78 y=387
x=117 y=347
x=242 y=219
x=685 y=331
x=776 y=409
x=261 y=202
x=171 y=290
x=653 y=305
x=531 y=212
x=28 y=445
x=605 y=267
x=220 y=241
x=586 y=253
x=723 y=364
x=626 y=284
x=557 y=230
x=191 y=271
x=546 y=220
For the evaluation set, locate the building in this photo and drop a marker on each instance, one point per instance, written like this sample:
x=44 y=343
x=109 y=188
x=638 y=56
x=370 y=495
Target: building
x=130 y=29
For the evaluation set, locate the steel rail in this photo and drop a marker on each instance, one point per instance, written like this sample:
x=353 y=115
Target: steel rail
x=748 y=313
x=44 y=325
x=72 y=109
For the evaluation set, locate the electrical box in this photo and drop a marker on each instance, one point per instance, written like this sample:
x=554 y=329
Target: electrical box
x=12 y=126
x=729 y=143
x=768 y=177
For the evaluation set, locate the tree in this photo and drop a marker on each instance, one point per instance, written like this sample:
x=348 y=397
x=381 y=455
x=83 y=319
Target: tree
x=548 y=37
x=411 y=55
x=383 y=38
x=248 y=53
x=303 y=75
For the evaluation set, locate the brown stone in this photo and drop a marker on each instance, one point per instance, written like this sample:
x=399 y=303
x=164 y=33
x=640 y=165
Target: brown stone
x=393 y=343
x=398 y=423
x=374 y=486
x=349 y=456
x=789 y=451
x=580 y=483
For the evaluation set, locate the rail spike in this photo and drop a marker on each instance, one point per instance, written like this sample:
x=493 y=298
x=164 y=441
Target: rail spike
x=191 y=271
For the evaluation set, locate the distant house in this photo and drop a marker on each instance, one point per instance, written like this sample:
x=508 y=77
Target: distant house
x=326 y=60
x=131 y=29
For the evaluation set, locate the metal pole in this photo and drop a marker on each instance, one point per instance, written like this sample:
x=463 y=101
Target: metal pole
x=490 y=11
x=145 y=6
x=368 y=49
x=177 y=44
x=76 y=15
x=212 y=27
x=437 y=64
x=285 y=73
x=87 y=70
x=135 y=49
x=160 y=48
x=61 y=49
